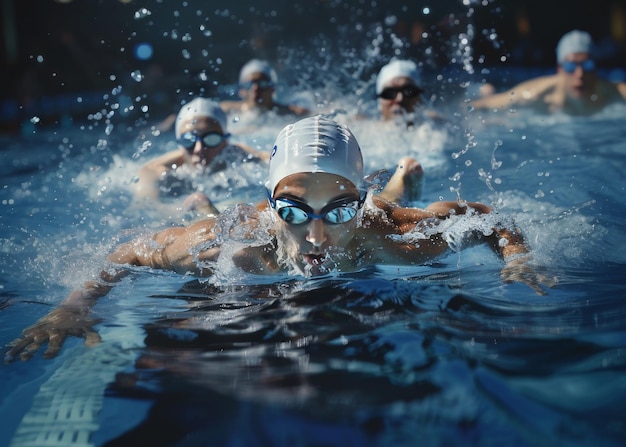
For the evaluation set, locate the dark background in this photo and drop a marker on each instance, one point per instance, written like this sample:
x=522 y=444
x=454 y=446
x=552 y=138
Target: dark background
x=54 y=52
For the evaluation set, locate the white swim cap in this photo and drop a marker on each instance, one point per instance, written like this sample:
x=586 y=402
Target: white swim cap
x=257 y=66
x=316 y=144
x=200 y=107
x=397 y=68
x=573 y=42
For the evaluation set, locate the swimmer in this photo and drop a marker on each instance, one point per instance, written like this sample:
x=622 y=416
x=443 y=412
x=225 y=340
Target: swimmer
x=257 y=82
x=399 y=92
x=317 y=219
x=575 y=89
x=203 y=143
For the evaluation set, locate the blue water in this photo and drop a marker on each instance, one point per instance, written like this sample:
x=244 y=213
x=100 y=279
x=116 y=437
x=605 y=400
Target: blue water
x=437 y=355
x=443 y=354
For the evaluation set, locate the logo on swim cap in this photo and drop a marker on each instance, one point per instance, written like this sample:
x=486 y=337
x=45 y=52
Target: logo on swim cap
x=316 y=144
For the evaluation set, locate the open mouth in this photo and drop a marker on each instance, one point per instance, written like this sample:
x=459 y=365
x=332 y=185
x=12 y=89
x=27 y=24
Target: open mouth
x=314 y=259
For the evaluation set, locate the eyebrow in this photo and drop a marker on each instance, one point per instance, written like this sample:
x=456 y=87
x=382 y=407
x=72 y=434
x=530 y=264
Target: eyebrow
x=298 y=200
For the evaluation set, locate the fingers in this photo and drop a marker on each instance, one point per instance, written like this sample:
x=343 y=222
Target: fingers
x=26 y=346
x=55 y=343
x=520 y=272
x=29 y=344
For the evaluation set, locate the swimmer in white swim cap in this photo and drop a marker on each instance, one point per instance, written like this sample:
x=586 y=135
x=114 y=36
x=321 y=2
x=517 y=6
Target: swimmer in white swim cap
x=575 y=89
x=257 y=88
x=316 y=144
x=202 y=135
x=399 y=89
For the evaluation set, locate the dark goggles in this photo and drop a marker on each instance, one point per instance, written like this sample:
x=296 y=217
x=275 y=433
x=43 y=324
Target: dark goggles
x=260 y=83
x=212 y=139
x=298 y=213
x=587 y=66
x=408 y=91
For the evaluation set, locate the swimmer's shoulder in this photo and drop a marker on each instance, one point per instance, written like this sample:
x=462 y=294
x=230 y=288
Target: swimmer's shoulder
x=290 y=109
x=229 y=106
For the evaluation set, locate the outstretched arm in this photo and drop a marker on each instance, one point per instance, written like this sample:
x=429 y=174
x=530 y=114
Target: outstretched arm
x=70 y=318
x=149 y=174
x=506 y=240
x=525 y=93
x=509 y=242
x=265 y=156
x=173 y=249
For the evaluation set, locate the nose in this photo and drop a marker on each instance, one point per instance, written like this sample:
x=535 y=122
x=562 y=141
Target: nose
x=315 y=233
x=197 y=147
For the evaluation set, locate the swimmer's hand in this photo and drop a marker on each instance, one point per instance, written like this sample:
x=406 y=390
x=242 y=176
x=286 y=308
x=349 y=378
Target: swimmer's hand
x=519 y=269
x=54 y=328
x=201 y=204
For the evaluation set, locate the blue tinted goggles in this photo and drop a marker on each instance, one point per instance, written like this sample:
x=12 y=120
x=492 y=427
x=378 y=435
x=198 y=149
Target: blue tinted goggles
x=587 y=66
x=211 y=139
x=335 y=213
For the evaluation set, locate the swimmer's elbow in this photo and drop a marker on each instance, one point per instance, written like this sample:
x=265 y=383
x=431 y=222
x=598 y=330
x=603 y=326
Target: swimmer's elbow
x=124 y=255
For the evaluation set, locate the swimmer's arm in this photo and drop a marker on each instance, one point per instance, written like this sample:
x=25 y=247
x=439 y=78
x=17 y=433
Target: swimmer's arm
x=169 y=249
x=525 y=93
x=149 y=174
x=621 y=88
x=70 y=318
x=506 y=241
x=176 y=249
x=265 y=156
x=510 y=244
x=231 y=106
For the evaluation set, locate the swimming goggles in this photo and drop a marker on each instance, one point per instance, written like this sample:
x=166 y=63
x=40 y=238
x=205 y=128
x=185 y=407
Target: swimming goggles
x=260 y=83
x=408 y=91
x=587 y=66
x=211 y=139
x=298 y=213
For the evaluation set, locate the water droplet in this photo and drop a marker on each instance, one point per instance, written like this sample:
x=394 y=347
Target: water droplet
x=142 y=13
x=137 y=75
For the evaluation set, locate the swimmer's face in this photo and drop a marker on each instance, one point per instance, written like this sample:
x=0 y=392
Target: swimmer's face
x=200 y=154
x=320 y=243
x=579 y=83
x=406 y=99
x=257 y=90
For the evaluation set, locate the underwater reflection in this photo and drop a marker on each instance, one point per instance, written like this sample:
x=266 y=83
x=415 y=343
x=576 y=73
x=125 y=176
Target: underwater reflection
x=356 y=362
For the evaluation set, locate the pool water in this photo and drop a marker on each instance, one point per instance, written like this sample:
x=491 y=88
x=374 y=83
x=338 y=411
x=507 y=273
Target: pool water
x=436 y=355
x=442 y=354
